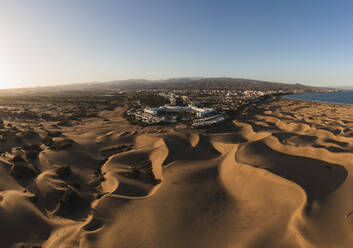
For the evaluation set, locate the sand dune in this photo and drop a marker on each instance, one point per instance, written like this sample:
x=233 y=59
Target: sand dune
x=276 y=176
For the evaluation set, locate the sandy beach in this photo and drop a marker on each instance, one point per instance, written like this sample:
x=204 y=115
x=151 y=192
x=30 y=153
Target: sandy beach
x=278 y=175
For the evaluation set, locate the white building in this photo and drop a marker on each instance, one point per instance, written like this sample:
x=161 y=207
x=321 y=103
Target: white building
x=208 y=121
x=200 y=112
x=151 y=111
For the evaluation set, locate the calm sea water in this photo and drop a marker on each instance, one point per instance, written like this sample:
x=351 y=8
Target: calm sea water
x=341 y=97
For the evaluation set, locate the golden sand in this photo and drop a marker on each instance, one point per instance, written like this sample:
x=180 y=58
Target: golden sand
x=276 y=176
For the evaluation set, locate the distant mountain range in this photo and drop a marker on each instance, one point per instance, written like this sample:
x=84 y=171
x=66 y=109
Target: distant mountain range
x=174 y=83
x=205 y=83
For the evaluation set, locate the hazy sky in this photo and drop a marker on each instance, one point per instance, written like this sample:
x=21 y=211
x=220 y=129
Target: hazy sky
x=46 y=42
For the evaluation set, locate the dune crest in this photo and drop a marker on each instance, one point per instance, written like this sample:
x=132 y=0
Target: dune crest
x=278 y=175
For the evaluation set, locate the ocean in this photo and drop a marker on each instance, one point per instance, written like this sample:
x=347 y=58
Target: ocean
x=341 y=97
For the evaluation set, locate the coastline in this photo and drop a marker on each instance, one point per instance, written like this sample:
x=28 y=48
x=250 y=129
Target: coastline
x=315 y=100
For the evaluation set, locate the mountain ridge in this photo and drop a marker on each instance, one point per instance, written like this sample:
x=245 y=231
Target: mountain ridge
x=187 y=83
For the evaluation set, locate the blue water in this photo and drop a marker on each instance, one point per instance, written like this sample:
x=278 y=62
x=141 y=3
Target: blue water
x=341 y=97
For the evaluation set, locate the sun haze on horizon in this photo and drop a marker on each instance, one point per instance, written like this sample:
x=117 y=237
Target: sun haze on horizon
x=52 y=42
x=5 y=78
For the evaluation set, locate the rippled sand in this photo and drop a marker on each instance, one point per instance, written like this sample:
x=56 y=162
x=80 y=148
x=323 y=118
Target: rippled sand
x=276 y=176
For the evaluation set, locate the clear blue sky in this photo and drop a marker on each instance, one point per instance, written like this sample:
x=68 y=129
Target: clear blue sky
x=46 y=42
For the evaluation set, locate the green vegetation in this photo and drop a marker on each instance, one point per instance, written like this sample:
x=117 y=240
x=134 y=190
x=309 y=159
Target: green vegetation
x=153 y=100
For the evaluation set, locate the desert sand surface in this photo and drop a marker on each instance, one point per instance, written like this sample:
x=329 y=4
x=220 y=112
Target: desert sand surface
x=278 y=175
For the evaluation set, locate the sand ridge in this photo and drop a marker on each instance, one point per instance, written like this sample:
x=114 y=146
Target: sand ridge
x=276 y=176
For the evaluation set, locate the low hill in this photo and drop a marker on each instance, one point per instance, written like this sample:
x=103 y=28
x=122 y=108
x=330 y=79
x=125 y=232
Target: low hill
x=175 y=83
x=210 y=83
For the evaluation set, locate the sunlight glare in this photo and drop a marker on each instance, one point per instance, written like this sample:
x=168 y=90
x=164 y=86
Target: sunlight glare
x=6 y=79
